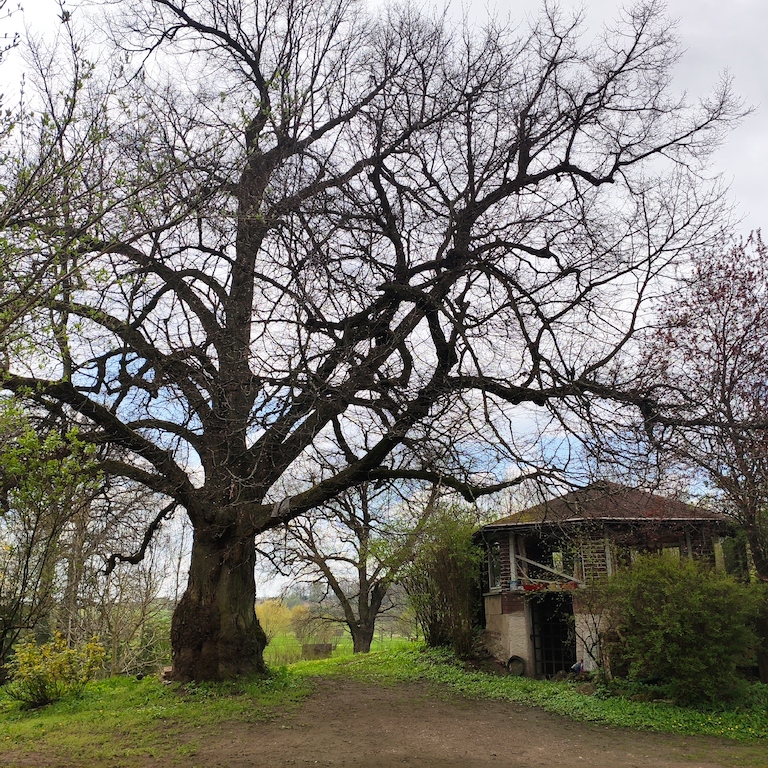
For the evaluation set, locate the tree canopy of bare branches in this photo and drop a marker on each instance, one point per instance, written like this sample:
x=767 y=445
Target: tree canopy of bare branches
x=335 y=248
x=53 y=176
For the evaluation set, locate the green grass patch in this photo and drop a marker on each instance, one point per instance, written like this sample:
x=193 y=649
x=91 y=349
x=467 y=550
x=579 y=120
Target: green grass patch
x=747 y=721
x=120 y=718
x=285 y=649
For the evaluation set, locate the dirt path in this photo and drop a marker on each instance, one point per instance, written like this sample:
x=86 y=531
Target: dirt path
x=352 y=724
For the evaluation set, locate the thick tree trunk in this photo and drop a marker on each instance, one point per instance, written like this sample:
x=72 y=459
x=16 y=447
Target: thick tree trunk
x=362 y=636
x=215 y=634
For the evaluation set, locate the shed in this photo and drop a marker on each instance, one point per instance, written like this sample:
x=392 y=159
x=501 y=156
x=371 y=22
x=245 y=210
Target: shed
x=537 y=560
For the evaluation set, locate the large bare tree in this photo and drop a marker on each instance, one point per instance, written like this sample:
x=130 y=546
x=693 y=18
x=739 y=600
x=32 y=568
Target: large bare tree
x=356 y=248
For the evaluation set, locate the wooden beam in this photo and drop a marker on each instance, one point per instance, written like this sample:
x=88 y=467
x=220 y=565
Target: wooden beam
x=567 y=576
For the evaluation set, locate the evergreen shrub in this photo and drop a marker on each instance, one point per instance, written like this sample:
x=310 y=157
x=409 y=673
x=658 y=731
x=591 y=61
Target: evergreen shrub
x=442 y=580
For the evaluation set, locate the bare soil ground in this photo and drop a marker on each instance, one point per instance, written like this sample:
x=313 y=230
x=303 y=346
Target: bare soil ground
x=346 y=723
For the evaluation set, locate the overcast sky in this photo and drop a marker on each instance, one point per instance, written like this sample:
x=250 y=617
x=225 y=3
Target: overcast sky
x=717 y=36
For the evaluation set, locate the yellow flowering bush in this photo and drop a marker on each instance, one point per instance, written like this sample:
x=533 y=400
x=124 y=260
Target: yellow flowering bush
x=42 y=674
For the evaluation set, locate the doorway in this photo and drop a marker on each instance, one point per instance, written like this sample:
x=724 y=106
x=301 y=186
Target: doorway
x=554 y=639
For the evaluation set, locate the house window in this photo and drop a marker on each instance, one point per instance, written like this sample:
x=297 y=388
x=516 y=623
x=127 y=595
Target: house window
x=494 y=565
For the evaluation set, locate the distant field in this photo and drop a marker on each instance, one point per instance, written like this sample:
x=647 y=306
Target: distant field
x=286 y=649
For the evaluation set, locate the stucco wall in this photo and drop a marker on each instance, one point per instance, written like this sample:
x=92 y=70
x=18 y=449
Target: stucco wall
x=587 y=644
x=508 y=634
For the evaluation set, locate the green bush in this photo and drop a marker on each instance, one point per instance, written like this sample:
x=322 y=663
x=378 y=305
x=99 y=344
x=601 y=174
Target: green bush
x=677 y=623
x=442 y=580
x=42 y=674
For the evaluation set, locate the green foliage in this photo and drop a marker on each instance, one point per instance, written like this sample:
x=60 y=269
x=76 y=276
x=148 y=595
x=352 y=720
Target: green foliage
x=735 y=549
x=122 y=721
x=287 y=649
x=310 y=625
x=680 y=623
x=301 y=623
x=288 y=629
x=42 y=674
x=137 y=637
x=39 y=469
x=442 y=581
x=44 y=483
x=274 y=617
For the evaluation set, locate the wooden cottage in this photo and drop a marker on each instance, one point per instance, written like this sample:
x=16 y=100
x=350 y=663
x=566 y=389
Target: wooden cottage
x=537 y=561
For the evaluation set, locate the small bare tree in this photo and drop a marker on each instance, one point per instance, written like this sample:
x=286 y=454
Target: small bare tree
x=42 y=489
x=355 y=548
x=127 y=606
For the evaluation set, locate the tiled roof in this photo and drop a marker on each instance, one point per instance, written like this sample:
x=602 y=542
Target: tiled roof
x=606 y=501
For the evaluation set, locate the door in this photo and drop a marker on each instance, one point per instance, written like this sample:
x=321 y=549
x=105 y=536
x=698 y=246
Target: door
x=554 y=639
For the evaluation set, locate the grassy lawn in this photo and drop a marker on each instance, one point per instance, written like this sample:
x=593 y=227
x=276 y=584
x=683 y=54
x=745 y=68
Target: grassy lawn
x=123 y=717
x=117 y=719
x=285 y=649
